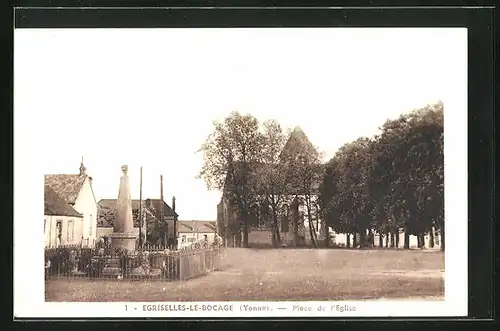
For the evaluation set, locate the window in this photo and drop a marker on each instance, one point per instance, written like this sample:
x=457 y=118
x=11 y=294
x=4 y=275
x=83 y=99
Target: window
x=71 y=230
x=59 y=232
x=183 y=238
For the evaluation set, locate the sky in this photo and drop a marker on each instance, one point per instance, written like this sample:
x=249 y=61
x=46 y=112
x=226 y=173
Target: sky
x=148 y=97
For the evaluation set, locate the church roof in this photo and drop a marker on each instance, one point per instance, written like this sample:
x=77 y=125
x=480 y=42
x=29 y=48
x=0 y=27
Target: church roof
x=297 y=143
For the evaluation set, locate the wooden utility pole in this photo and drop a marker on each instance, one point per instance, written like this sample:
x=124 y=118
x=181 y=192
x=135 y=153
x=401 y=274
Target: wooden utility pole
x=162 y=210
x=175 y=223
x=140 y=212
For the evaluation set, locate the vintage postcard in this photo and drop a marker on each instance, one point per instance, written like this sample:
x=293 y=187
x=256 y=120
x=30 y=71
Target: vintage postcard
x=240 y=172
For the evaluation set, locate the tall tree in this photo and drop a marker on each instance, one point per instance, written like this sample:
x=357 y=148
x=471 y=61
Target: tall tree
x=328 y=198
x=229 y=155
x=392 y=181
x=272 y=176
x=307 y=172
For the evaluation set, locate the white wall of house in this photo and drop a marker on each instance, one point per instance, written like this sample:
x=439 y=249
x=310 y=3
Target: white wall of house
x=87 y=205
x=72 y=229
x=190 y=237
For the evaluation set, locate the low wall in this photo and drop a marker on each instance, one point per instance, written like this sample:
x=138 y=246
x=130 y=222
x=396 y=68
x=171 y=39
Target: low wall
x=101 y=232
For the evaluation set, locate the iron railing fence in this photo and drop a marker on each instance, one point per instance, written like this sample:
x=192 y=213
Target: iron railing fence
x=148 y=263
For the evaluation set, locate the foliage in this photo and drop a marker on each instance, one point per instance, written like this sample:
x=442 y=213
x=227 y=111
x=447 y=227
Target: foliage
x=391 y=182
x=305 y=169
x=106 y=217
x=229 y=156
x=273 y=177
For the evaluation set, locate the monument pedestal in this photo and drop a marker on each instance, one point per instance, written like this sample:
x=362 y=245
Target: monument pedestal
x=122 y=241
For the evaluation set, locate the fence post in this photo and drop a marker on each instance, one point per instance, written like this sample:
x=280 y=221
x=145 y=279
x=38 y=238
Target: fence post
x=178 y=263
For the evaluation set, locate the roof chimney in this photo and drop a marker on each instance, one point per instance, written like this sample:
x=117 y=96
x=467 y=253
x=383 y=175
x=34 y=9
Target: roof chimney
x=173 y=204
x=83 y=170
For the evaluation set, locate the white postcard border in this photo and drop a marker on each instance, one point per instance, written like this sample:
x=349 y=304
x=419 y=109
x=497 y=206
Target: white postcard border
x=29 y=297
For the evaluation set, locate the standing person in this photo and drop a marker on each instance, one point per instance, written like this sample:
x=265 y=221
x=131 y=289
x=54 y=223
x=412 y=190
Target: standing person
x=59 y=234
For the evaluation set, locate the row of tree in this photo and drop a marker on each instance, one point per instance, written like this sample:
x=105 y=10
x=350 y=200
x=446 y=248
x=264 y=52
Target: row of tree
x=390 y=183
x=386 y=184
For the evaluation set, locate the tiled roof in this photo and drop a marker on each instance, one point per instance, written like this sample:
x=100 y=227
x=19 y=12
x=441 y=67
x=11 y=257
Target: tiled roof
x=55 y=205
x=107 y=209
x=167 y=211
x=66 y=186
x=196 y=226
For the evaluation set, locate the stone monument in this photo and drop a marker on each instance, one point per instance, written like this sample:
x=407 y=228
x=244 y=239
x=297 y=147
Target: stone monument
x=123 y=236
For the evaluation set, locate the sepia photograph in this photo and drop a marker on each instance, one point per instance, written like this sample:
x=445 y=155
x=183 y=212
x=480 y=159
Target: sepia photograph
x=203 y=166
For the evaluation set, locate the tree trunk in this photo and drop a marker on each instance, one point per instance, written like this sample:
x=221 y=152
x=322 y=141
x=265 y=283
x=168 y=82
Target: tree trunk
x=273 y=237
x=296 y=230
x=245 y=232
x=393 y=239
x=315 y=234
x=380 y=240
x=317 y=219
x=275 y=230
x=278 y=235
x=354 y=240
x=407 y=236
x=312 y=234
x=348 y=240
x=295 y=215
x=431 y=238
x=237 y=239
x=311 y=224
x=442 y=238
x=362 y=238
x=327 y=234
x=422 y=239
x=387 y=237
x=397 y=238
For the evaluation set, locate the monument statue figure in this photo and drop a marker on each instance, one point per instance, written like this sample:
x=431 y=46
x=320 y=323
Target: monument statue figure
x=124 y=222
x=123 y=227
